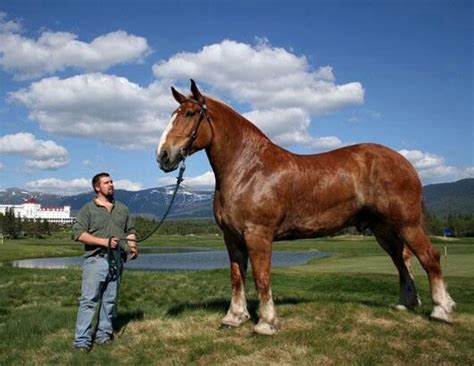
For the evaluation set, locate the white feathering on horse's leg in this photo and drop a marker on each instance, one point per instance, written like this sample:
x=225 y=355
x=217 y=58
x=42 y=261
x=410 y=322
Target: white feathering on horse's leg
x=237 y=313
x=268 y=323
x=443 y=303
x=234 y=320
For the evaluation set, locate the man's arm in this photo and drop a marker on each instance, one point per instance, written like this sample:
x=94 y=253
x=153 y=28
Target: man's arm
x=81 y=231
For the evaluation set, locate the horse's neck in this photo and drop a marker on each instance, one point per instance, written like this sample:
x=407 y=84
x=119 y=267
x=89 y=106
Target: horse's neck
x=235 y=142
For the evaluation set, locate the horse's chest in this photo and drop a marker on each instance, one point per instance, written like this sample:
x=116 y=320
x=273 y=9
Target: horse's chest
x=227 y=211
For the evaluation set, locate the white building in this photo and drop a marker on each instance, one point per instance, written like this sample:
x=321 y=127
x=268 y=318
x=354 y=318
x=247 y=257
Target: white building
x=32 y=209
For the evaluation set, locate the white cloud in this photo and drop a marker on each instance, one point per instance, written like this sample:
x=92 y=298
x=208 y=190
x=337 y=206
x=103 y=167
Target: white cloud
x=119 y=112
x=75 y=186
x=41 y=154
x=290 y=126
x=269 y=80
x=103 y=107
x=206 y=181
x=2 y=167
x=54 y=185
x=8 y=26
x=30 y=58
x=469 y=172
x=433 y=169
x=127 y=185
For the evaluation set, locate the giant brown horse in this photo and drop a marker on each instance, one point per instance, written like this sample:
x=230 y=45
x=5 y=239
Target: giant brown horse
x=265 y=193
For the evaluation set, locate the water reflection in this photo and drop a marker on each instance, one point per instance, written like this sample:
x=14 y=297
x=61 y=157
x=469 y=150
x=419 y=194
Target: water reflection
x=181 y=259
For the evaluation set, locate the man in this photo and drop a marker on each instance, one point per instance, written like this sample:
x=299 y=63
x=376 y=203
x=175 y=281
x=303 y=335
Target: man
x=100 y=224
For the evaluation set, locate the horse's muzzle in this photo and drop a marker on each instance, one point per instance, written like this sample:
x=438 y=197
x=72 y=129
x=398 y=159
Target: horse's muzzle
x=168 y=162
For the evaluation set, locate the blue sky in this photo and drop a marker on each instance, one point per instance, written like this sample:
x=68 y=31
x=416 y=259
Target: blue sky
x=84 y=85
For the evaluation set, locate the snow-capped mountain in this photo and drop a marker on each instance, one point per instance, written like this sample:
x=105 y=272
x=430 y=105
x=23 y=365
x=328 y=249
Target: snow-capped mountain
x=153 y=201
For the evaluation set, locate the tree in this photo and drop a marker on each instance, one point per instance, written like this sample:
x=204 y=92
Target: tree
x=45 y=229
x=35 y=229
x=9 y=229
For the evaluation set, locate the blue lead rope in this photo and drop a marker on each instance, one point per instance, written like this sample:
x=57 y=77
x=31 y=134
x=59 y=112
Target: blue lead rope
x=114 y=255
x=179 y=179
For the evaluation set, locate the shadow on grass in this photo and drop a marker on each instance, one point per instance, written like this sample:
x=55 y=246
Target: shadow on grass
x=123 y=318
x=221 y=305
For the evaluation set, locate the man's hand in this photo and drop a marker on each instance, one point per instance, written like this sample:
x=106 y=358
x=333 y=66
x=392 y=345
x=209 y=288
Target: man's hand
x=133 y=251
x=114 y=242
x=90 y=239
x=132 y=246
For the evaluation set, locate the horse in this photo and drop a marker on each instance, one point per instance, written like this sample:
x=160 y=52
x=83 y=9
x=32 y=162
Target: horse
x=264 y=193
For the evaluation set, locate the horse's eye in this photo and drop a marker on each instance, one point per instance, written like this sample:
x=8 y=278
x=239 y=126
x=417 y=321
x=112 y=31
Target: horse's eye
x=189 y=113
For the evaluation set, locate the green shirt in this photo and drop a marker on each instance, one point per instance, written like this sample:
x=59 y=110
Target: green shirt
x=98 y=221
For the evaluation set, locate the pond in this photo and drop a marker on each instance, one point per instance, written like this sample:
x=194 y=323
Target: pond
x=180 y=259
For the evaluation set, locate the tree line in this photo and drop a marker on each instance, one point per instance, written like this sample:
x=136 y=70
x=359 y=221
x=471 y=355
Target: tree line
x=14 y=228
x=460 y=225
x=145 y=225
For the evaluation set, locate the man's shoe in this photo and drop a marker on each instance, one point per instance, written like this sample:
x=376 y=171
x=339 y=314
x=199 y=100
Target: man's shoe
x=85 y=349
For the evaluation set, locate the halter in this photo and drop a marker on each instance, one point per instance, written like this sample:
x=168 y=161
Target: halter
x=202 y=114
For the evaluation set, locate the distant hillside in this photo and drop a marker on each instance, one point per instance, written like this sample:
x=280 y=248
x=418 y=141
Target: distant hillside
x=440 y=200
x=450 y=198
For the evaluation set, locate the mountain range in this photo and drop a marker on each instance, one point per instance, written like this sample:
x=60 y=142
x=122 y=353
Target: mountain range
x=440 y=200
x=450 y=198
x=151 y=202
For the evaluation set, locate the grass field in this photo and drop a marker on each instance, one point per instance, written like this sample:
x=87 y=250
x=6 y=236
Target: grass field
x=333 y=311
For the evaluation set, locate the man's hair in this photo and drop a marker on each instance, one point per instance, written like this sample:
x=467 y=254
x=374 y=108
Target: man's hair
x=96 y=179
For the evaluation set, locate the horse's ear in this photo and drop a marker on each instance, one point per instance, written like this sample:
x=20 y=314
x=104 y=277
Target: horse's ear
x=180 y=98
x=196 y=93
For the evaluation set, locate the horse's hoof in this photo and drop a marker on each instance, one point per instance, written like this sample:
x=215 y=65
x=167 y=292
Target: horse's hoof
x=400 y=307
x=440 y=314
x=408 y=306
x=265 y=328
x=233 y=320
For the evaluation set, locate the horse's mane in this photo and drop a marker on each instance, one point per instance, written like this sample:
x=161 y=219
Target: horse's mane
x=231 y=114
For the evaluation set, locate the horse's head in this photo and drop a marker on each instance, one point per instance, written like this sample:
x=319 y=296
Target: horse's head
x=188 y=130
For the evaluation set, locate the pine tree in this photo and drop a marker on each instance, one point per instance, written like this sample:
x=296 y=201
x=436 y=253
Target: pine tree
x=45 y=229
x=9 y=224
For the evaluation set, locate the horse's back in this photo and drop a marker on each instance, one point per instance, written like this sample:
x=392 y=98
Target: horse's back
x=362 y=176
x=368 y=164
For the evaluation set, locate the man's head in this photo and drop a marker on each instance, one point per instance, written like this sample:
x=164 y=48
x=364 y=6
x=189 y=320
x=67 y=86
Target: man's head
x=103 y=185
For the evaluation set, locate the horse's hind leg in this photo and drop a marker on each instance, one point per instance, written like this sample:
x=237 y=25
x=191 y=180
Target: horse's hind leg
x=237 y=313
x=416 y=239
x=407 y=254
x=391 y=242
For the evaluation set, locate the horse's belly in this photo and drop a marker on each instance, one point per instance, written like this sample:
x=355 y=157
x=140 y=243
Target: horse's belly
x=316 y=223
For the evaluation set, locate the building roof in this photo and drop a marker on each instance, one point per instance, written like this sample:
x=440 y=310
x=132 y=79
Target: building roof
x=32 y=200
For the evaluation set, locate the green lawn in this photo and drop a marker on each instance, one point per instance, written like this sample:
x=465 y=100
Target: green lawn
x=333 y=311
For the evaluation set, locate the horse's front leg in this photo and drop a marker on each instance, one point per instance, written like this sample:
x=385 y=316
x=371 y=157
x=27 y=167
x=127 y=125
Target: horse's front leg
x=259 y=243
x=238 y=256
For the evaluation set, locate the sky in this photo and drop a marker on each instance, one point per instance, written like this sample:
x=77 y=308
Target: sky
x=85 y=85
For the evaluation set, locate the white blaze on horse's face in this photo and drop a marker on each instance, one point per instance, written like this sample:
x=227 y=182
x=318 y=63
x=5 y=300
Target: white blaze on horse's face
x=168 y=156
x=165 y=134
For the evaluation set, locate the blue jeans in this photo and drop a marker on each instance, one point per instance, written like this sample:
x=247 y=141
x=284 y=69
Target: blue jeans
x=94 y=273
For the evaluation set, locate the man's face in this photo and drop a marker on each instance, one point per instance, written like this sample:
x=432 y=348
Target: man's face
x=106 y=186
